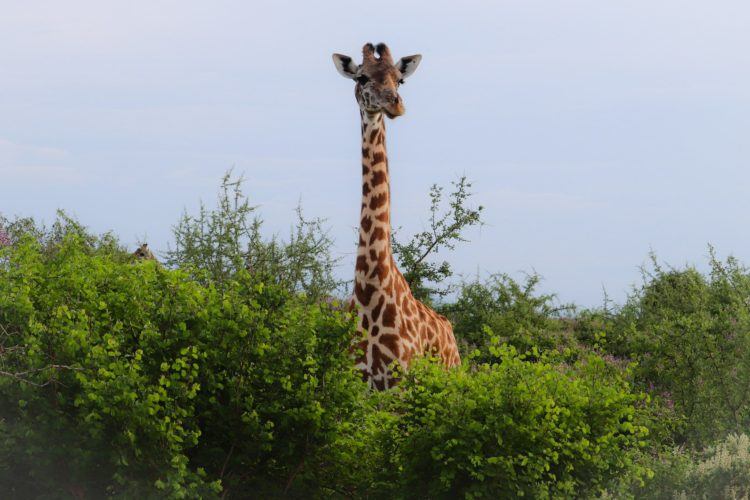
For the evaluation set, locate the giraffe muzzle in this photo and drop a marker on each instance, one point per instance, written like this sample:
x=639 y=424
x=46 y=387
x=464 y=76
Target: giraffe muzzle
x=394 y=110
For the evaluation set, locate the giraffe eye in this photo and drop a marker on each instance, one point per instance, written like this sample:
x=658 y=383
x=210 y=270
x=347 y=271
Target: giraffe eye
x=401 y=82
x=362 y=79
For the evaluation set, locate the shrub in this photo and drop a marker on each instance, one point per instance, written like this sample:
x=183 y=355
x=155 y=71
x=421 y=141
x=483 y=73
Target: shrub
x=513 y=428
x=722 y=471
x=514 y=313
x=216 y=244
x=690 y=336
x=132 y=379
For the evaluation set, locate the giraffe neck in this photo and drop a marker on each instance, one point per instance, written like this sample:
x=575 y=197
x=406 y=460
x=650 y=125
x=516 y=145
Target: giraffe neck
x=397 y=326
x=374 y=252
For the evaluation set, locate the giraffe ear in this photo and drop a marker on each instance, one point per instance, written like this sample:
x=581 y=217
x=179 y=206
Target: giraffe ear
x=407 y=65
x=345 y=66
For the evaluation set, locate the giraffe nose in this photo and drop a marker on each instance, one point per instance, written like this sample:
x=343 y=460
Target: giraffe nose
x=393 y=104
x=391 y=97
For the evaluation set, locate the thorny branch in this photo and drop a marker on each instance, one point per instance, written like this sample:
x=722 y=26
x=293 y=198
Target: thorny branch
x=446 y=230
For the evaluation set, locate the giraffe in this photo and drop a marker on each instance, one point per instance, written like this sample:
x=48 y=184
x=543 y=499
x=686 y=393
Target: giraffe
x=144 y=253
x=396 y=327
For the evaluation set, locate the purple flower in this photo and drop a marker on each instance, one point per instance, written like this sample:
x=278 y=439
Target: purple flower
x=4 y=238
x=615 y=361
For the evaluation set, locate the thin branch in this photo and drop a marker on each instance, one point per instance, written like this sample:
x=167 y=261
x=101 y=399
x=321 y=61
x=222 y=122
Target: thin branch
x=226 y=461
x=20 y=376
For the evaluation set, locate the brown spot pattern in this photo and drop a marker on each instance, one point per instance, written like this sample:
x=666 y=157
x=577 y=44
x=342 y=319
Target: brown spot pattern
x=377 y=308
x=363 y=292
x=380 y=270
x=377 y=234
x=366 y=223
x=389 y=315
x=378 y=177
x=362 y=264
x=378 y=200
x=390 y=341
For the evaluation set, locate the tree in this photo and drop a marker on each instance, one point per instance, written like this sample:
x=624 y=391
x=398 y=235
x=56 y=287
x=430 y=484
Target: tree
x=447 y=225
x=218 y=243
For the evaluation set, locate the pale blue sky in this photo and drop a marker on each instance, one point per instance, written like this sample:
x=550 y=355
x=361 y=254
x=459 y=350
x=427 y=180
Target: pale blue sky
x=593 y=131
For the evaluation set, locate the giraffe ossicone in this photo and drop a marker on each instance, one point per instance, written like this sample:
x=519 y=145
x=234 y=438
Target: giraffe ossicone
x=395 y=325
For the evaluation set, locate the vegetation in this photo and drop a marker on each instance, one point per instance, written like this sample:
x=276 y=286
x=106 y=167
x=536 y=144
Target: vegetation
x=428 y=279
x=216 y=244
x=227 y=372
x=501 y=309
x=514 y=427
x=690 y=335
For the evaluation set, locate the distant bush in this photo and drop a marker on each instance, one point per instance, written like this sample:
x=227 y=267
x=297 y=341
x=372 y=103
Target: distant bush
x=722 y=471
x=690 y=337
x=503 y=309
x=49 y=238
x=217 y=243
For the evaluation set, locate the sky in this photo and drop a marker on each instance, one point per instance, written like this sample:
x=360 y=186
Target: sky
x=593 y=132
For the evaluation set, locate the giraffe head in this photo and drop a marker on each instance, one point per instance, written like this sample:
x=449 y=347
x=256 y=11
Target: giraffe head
x=144 y=253
x=378 y=78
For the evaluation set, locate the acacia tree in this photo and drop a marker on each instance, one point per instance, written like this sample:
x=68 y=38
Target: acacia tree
x=447 y=225
x=219 y=242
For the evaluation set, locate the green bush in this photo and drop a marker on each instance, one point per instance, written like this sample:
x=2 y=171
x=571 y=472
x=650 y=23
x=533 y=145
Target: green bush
x=228 y=372
x=216 y=244
x=513 y=428
x=125 y=378
x=131 y=379
x=690 y=336
x=514 y=313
